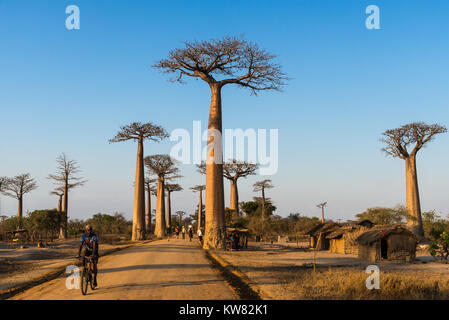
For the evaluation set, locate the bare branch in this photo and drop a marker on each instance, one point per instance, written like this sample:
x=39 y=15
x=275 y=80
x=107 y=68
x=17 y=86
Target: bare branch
x=162 y=165
x=18 y=186
x=233 y=170
x=140 y=131
x=262 y=185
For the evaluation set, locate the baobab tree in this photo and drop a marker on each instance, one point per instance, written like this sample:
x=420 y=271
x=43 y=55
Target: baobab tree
x=59 y=192
x=17 y=187
x=170 y=187
x=234 y=170
x=404 y=143
x=260 y=186
x=139 y=132
x=220 y=62
x=149 y=188
x=65 y=178
x=180 y=215
x=3 y=181
x=164 y=167
x=199 y=189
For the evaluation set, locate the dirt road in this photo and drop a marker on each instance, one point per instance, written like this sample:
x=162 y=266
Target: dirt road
x=162 y=270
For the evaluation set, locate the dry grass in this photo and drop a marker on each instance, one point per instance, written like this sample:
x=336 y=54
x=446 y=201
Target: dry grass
x=349 y=283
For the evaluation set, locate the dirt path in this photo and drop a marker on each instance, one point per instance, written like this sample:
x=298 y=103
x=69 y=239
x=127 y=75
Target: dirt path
x=175 y=269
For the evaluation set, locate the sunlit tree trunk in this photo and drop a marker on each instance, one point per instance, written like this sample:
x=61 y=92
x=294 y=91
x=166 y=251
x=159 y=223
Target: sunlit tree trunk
x=138 y=232
x=63 y=215
x=168 y=219
x=263 y=209
x=200 y=209
x=60 y=203
x=148 y=214
x=215 y=216
x=414 y=220
x=234 y=205
x=20 y=208
x=159 y=229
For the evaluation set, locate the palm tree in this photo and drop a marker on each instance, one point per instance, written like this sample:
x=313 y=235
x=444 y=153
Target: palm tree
x=220 y=62
x=164 y=167
x=170 y=187
x=65 y=178
x=139 y=132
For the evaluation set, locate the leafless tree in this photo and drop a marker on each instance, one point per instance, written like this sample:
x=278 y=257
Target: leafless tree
x=260 y=186
x=170 y=187
x=220 y=62
x=139 y=132
x=149 y=188
x=234 y=170
x=322 y=206
x=164 y=167
x=17 y=187
x=199 y=189
x=180 y=215
x=66 y=179
x=404 y=143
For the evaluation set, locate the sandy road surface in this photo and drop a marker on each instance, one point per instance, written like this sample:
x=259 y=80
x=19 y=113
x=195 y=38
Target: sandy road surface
x=175 y=269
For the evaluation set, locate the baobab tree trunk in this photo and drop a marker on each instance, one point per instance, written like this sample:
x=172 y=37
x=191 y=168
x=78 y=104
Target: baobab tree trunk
x=60 y=203
x=234 y=196
x=63 y=215
x=414 y=220
x=215 y=216
x=200 y=209
x=263 y=210
x=138 y=232
x=20 y=208
x=148 y=214
x=159 y=229
x=168 y=219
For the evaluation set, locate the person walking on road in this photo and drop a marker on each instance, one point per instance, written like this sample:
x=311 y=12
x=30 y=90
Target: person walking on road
x=190 y=233
x=200 y=235
x=177 y=232
x=183 y=231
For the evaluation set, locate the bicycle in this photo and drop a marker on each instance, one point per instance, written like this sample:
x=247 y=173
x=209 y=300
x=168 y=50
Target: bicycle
x=86 y=275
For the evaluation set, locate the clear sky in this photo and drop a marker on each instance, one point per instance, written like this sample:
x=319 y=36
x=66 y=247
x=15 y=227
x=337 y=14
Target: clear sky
x=69 y=91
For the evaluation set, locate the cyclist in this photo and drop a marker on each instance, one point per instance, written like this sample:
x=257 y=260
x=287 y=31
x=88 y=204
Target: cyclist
x=89 y=241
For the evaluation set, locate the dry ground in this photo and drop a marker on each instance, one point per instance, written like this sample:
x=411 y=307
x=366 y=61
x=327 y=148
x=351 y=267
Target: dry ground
x=286 y=272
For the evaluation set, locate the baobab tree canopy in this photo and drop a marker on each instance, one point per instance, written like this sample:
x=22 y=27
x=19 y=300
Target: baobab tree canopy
x=224 y=61
x=238 y=169
x=66 y=171
x=161 y=165
x=410 y=138
x=140 y=131
x=173 y=187
x=264 y=184
x=18 y=186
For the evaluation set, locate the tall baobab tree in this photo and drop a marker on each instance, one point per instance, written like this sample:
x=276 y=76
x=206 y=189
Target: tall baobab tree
x=180 y=215
x=322 y=206
x=170 y=187
x=220 y=62
x=199 y=189
x=17 y=187
x=3 y=181
x=66 y=179
x=164 y=167
x=139 y=132
x=234 y=170
x=149 y=188
x=260 y=186
x=404 y=143
x=59 y=192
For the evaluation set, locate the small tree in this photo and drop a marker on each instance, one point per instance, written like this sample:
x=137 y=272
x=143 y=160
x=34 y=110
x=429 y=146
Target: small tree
x=164 y=167
x=404 y=143
x=440 y=246
x=199 y=189
x=260 y=186
x=65 y=178
x=139 y=132
x=234 y=170
x=17 y=187
x=220 y=62
x=170 y=187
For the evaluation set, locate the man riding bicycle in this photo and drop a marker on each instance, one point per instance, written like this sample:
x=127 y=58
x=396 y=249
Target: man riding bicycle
x=89 y=241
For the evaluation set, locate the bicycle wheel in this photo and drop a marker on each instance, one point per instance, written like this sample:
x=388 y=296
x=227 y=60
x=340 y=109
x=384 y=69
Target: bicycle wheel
x=84 y=282
x=91 y=277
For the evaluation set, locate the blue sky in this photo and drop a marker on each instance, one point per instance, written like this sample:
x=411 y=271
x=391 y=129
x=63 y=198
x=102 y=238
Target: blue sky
x=69 y=91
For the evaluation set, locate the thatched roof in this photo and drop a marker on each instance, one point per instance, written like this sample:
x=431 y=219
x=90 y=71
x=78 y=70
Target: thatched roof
x=239 y=230
x=325 y=228
x=379 y=232
x=350 y=227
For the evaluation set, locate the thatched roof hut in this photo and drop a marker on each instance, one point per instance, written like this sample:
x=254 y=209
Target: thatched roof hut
x=387 y=242
x=319 y=233
x=343 y=241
